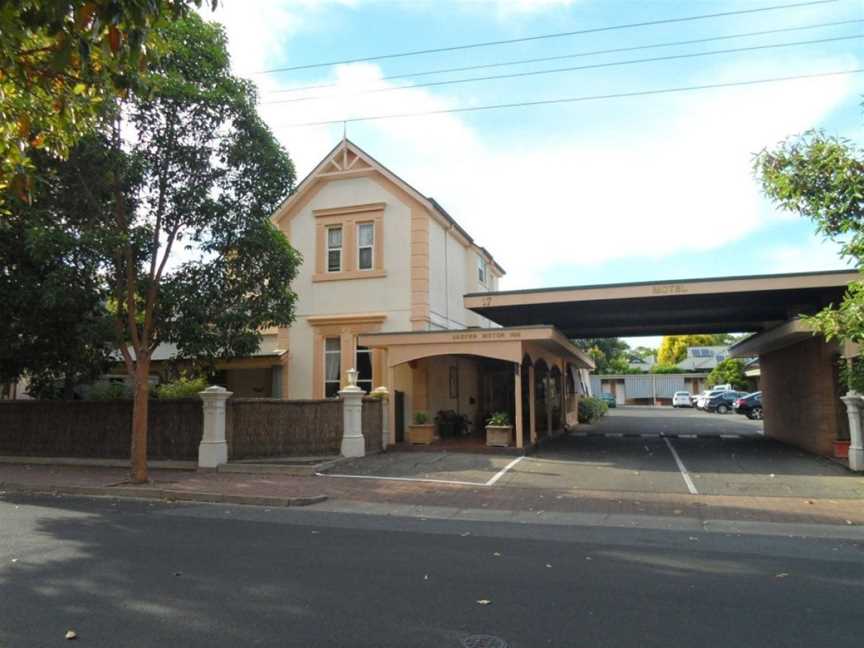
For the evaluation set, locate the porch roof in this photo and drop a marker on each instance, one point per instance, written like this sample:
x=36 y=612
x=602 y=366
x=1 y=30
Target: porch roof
x=509 y=343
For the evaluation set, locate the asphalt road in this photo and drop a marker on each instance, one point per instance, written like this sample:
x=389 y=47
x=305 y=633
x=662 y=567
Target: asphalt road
x=125 y=574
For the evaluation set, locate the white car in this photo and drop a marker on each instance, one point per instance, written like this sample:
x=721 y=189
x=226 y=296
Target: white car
x=705 y=396
x=681 y=399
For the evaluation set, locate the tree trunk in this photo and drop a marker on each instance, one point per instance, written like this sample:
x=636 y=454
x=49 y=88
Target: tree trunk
x=139 y=420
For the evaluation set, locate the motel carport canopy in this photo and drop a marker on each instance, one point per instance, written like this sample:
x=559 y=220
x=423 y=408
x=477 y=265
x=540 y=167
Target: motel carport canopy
x=715 y=305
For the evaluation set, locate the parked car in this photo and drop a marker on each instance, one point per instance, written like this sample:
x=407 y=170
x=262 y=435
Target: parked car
x=708 y=394
x=681 y=399
x=609 y=399
x=750 y=406
x=723 y=402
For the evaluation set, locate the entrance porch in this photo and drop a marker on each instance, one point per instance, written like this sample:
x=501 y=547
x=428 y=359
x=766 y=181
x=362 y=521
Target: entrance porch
x=457 y=380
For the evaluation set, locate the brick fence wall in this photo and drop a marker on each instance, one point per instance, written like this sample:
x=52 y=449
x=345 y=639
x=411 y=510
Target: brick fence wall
x=801 y=396
x=255 y=428
x=371 y=422
x=98 y=429
x=263 y=427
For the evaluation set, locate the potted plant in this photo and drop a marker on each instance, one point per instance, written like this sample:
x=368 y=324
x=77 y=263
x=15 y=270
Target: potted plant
x=852 y=377
x=499 y=430
x=450 y=424
x=421 y=431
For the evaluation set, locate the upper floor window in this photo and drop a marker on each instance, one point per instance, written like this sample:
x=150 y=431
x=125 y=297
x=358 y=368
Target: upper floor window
x=365 y=245
x=334 y=249
x=481 y=269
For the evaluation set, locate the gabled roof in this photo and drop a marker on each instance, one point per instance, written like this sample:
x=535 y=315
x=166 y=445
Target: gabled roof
x=337 y=161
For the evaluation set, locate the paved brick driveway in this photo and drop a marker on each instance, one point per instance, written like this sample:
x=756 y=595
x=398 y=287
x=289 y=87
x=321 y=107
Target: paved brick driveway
x=637 y=450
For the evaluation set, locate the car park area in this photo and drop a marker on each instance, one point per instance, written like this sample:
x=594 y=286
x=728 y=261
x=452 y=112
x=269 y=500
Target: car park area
x=635 y=450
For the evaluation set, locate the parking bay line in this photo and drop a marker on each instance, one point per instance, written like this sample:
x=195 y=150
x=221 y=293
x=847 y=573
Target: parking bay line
x=503 y=471
x=490 y=482
x=681 y=468
x=405 y=479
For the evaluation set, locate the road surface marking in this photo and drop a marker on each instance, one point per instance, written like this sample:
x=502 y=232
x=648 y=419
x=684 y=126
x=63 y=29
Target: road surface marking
x=730 y=436
x=502 y=472
x=407 y=479
x=682 y=468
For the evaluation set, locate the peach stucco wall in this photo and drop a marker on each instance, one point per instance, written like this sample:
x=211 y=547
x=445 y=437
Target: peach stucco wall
x=390 y=294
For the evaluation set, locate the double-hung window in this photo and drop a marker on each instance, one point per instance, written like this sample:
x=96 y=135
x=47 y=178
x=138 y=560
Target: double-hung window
x=481 y=269
x=364 y=368
x=332 y=366
x=365 y=245
x=334 y=249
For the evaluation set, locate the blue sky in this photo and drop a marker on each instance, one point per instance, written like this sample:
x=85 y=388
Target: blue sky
x=656 y=187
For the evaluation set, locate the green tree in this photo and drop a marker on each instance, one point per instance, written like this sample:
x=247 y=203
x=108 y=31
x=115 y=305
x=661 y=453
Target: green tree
x=180 y=214
x=609 y=354
x=821 y=178
x=673 y=348
x=729 y=371
x=55 y=328
x=59 y=61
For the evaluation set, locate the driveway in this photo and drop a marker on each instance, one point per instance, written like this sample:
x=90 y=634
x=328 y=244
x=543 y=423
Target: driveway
x=661 y=450
x=636 y=450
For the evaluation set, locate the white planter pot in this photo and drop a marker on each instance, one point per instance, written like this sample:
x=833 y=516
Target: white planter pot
x=499 y=435
x=854 y=410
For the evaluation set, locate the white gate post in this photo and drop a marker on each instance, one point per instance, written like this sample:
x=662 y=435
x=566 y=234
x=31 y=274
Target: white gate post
x=856 y=445
x=353 y=443
x=384 y=395
x=213 y=450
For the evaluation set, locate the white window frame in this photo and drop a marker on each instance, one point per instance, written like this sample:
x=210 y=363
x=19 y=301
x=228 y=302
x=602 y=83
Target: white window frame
x=328 y=249
x=371 y=247
x=482 y=270
x=338 y=353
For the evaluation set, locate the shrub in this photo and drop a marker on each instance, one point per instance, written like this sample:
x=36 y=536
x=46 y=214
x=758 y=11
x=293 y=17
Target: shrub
x=591 y=409
x=421 y=418
x=499 y=419
x=109 y=391
x=852 y=374
x=183 y=387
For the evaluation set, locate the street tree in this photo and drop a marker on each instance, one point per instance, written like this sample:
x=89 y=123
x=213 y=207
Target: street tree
x=59 y=62
x=821 y=177
x=176 y=189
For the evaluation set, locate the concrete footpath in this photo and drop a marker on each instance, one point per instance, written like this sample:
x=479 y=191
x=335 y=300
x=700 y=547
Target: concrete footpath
x=432 y=500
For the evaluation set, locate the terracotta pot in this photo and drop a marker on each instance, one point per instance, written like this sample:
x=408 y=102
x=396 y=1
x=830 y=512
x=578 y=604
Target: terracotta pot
x=421 y=434
x=841 y=449
x=499 y=435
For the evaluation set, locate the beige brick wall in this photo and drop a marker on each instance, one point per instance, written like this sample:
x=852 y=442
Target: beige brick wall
x=801 y=396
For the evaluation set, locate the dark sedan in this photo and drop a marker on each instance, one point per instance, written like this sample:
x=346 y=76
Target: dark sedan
x=723 y=402
x=750 y=406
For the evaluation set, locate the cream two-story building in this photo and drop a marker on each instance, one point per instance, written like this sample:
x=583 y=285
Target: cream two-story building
x=385 y=269
x=377 y=256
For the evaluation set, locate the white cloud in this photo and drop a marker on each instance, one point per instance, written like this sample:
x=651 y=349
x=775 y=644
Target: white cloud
x=676 y=177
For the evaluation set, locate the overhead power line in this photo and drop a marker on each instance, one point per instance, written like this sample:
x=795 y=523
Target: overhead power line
x=564 y=100
x=525 y=39
x=614 y=50
x=514 y=75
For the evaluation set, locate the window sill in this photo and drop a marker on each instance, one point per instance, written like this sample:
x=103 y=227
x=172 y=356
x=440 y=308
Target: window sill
x=344 y=276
